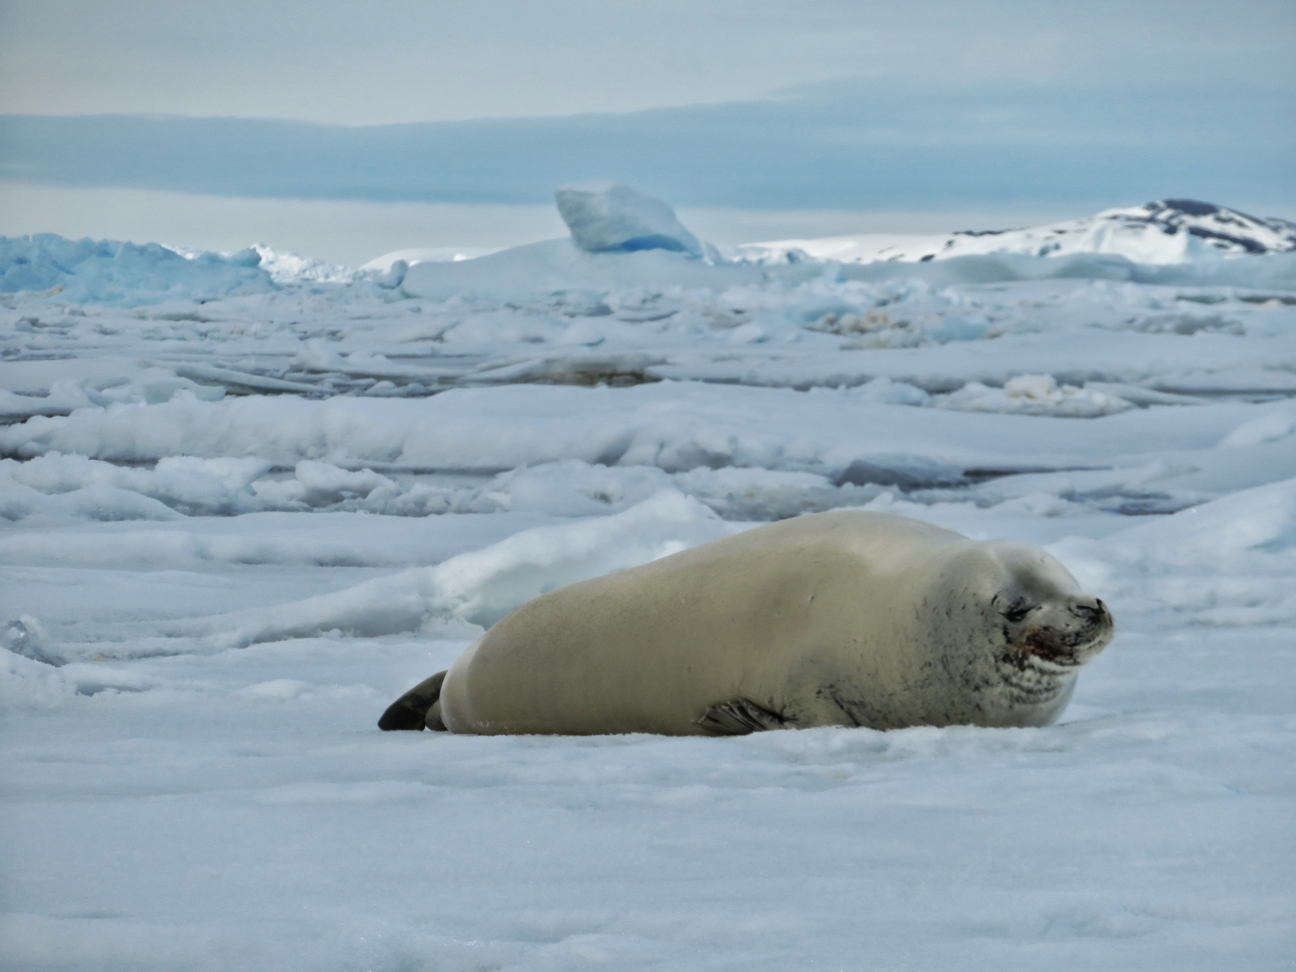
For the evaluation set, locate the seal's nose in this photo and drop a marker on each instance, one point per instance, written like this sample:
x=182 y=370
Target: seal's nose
x=1091 y=611
x=1087 y=607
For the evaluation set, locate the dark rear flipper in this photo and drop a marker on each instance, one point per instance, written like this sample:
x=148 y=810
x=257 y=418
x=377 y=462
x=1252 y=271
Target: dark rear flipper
x=740 y=717
x=411 y=710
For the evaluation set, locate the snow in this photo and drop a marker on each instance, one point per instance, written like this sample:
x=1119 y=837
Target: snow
x=246 y=504
x=1163 y=232
x=412 y=255
x=285 y=267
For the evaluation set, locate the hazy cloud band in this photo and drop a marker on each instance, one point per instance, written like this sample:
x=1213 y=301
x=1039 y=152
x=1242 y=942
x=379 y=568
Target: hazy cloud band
x=842 y=145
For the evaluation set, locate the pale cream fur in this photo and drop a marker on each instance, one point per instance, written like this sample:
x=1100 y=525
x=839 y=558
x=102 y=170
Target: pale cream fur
x=842 y=618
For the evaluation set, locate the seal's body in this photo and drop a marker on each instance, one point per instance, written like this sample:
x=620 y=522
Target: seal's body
x=845 y=618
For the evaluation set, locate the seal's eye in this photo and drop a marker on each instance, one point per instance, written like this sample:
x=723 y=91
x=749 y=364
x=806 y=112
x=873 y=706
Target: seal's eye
x=1018 y=611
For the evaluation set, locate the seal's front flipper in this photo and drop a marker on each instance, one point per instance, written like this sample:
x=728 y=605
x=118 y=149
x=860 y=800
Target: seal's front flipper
x=411 y=710
x=739 y=717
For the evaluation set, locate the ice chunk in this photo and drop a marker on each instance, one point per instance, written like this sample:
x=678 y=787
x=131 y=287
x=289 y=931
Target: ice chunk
x=884 y=391
x=1032 y=395
x=321 y=483
x=287 y=268
x=612 y=218
x=315 y=355
x=25 y=637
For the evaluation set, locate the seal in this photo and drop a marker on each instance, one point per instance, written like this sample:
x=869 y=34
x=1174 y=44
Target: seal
x=846 y=618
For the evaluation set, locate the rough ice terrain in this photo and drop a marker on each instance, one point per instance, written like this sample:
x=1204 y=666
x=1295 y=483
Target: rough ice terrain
x=249 y=499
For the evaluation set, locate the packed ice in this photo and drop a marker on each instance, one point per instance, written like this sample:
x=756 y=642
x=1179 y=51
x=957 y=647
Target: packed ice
x=248 y=499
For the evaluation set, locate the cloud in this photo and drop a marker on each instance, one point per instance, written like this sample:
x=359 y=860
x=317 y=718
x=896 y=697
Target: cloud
x=390 y=61
x=860 y=143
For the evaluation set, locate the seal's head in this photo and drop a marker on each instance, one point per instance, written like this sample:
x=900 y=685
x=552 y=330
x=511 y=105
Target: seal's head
x=1019 y=627
x=1049 y=626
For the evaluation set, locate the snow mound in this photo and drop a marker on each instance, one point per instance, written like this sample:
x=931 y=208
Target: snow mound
x=612 y=218
x=561 y=267
x=436 y=254
x=1224 y=563
x=467 y=592
x=124 y=274
x=1267 y=428
x=1162 y=232
x=1261 y=519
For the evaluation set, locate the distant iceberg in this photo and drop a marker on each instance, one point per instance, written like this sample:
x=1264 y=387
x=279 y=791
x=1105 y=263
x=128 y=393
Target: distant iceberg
x=612 y=218
x=126 y=274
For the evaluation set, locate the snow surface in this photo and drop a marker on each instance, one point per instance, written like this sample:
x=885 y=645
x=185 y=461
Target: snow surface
x=436 y=254
x=247 y=501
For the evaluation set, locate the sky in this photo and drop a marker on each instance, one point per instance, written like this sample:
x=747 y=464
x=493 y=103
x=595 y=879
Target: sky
x=756 y=116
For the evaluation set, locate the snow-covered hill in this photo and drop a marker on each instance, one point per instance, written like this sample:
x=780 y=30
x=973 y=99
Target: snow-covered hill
x=1166 y=231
